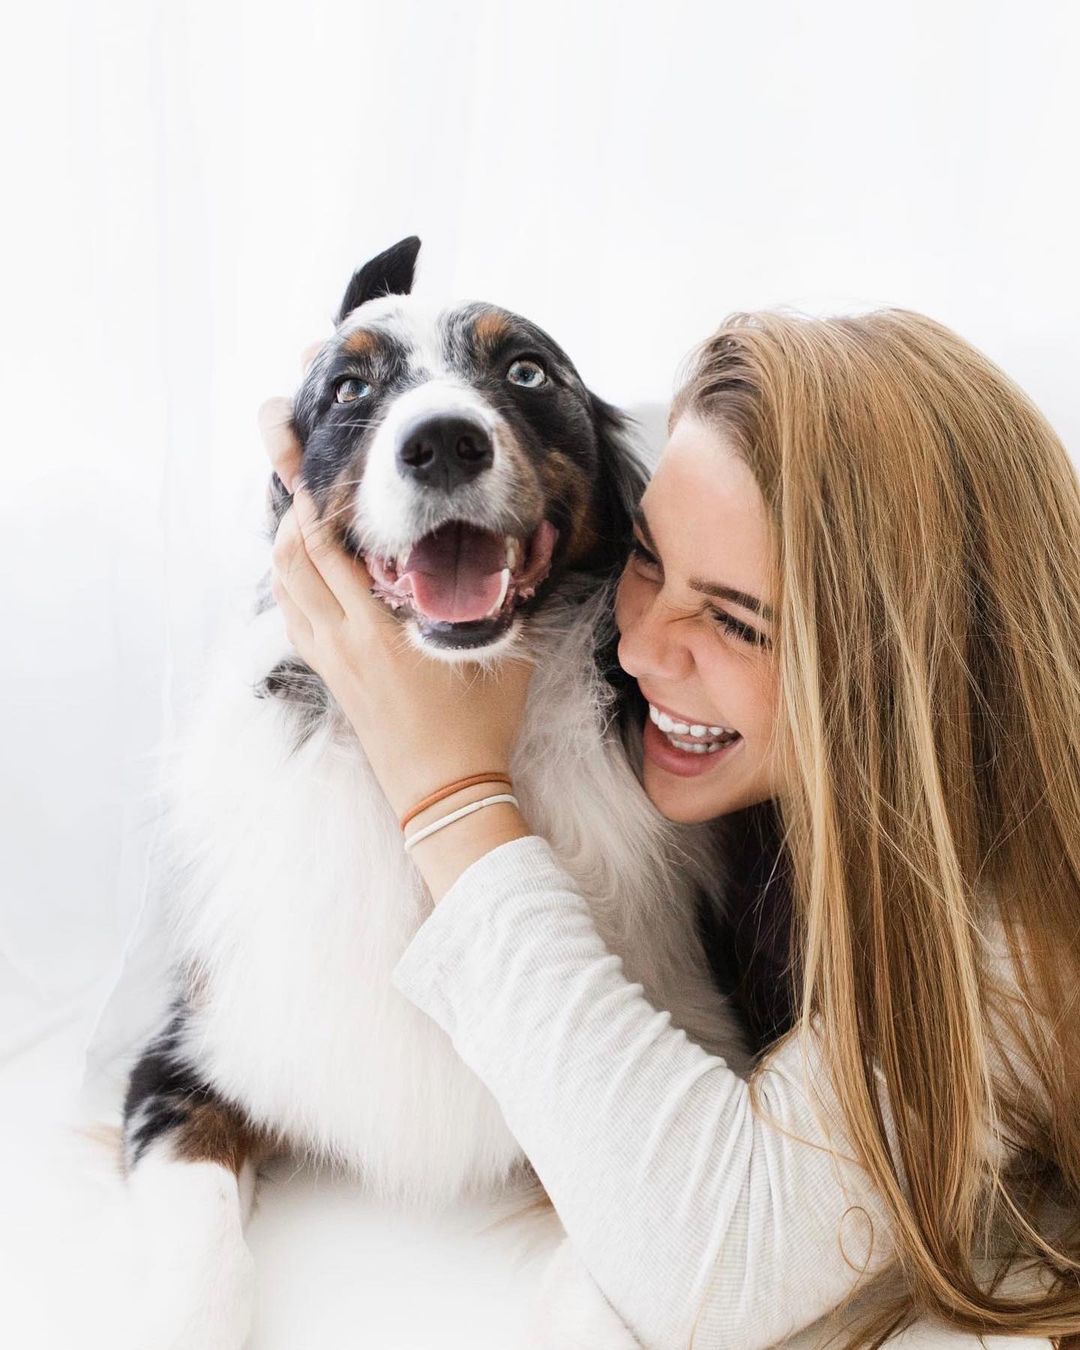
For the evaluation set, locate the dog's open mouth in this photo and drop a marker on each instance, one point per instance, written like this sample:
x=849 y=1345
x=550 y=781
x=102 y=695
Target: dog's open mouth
x=463 y=575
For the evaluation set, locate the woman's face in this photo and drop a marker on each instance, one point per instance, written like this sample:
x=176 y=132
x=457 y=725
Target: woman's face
x=696 y=629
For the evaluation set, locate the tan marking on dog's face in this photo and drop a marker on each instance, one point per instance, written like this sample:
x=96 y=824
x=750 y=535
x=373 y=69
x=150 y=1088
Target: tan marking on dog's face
x=565 y=480
x=362 y=342
x=490 y=329
x=214 y=1132
x=530 y=495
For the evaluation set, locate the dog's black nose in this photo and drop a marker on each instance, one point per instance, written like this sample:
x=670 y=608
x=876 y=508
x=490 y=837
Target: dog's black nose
x=443 y=452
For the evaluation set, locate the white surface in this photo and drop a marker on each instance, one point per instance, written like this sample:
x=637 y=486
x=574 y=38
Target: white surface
x=334 y=1269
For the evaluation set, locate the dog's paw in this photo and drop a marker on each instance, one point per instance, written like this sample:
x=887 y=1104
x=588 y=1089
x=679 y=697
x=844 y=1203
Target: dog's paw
x=570 y=1312
x=196 y=1286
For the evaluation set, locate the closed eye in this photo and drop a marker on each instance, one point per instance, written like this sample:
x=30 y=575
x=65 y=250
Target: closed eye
x=720 y=617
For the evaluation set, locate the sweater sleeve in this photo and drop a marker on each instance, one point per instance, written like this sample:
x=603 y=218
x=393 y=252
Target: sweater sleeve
x=690 y=1210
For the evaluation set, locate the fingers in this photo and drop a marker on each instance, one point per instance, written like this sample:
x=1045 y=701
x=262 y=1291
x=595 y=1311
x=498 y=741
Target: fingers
x=324 y=580
x=296 y=558
x=309 y=354
x=279 y=439
x=296 y=621
x=346 y=576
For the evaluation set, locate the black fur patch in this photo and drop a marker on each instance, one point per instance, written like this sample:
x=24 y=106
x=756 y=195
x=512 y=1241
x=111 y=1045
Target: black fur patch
x=162 y=1093
x=298 y=685
x=330 y=431
x=747 y=930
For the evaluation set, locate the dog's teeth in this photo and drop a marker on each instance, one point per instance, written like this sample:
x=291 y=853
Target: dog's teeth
x=502 y=592
x=511 y=552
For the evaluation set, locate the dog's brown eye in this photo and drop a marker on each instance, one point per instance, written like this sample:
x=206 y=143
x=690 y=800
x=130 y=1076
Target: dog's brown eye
x=349 y=391
x=529 y=374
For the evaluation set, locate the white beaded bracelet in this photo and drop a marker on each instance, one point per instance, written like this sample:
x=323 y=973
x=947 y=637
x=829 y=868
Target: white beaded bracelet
x=456 y=815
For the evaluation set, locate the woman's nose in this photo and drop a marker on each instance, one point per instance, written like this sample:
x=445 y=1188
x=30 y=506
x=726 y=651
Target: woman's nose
x=651 y=646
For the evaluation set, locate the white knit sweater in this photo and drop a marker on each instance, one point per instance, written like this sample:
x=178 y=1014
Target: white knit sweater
x=680 y=1201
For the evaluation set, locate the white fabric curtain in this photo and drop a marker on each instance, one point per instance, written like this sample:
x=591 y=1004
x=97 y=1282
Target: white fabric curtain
x=187 y=186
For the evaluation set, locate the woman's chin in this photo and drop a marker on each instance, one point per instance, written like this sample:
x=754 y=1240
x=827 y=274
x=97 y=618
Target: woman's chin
x=677 y=800
x=690 y=801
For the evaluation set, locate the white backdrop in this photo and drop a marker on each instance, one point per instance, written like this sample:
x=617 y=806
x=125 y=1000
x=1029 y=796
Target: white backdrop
x=187 y=186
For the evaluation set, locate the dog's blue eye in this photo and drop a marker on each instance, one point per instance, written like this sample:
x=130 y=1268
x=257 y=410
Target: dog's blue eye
x=349 y=391
x=529 y=374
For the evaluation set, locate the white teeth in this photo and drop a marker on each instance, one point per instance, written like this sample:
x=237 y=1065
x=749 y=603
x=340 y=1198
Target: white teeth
x=502 y=593
x=696 y=747
x=669 y=725
x=511 y=552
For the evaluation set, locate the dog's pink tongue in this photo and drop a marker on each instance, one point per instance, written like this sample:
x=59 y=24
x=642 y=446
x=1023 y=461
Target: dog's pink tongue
x=455 y=572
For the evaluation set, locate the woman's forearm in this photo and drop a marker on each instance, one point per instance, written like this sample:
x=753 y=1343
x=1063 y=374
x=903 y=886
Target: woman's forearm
x=441 y=857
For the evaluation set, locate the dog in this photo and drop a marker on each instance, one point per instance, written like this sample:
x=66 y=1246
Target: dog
x=460 y=443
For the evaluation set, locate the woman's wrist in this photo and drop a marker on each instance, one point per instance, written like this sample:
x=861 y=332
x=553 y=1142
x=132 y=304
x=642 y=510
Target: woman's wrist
x=443 y=855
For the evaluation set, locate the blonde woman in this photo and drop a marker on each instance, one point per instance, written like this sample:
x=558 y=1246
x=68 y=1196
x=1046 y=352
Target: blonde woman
x=859 y=552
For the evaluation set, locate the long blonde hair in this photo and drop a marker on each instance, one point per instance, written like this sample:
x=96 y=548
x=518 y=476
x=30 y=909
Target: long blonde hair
x=927 y=574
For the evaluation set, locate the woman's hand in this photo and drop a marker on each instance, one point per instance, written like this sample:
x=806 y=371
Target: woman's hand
x=422 y=722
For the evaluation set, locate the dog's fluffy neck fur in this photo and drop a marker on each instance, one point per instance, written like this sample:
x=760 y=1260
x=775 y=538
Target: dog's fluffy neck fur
x=293 y=899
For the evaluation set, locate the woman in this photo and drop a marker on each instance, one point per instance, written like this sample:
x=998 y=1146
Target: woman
x=859 y=551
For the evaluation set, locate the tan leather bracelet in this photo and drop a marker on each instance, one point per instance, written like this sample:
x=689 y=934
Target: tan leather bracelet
x=451 y=788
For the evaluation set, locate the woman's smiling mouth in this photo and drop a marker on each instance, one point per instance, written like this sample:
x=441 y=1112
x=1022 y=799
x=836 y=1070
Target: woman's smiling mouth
x=687 y=732
x=685 y=747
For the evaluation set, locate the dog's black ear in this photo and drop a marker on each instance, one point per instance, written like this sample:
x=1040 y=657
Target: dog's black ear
x=622 y=476
x=391 y=273
x=621 y=480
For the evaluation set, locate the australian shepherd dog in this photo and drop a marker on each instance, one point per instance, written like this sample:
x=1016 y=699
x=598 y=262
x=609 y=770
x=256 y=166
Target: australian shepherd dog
x=491 y=495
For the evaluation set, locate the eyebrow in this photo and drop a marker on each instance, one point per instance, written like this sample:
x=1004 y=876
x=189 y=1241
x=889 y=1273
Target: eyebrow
x=737 y=597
